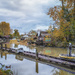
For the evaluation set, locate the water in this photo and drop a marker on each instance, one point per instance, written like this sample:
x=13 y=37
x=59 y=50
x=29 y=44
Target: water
x=22 y=66
x=51 y=51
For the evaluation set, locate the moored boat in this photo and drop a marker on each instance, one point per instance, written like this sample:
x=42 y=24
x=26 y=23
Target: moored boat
x=66 y=56
x=69 y=55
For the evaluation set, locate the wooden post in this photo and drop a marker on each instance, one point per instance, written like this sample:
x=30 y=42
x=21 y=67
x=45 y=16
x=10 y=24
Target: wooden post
x=36 y=54
x=1 y=45
x=5 y=46
x=5 y=56
x=70 y=48
x=1 y=54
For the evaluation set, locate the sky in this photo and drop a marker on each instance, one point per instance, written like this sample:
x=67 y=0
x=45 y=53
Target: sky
x=27 y=15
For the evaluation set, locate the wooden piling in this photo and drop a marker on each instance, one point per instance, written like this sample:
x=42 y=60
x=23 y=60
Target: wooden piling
x=5 y=56
x=36 y=54
x=1 y=54
x=1 y=45
x=5 y=46
x=70 y=49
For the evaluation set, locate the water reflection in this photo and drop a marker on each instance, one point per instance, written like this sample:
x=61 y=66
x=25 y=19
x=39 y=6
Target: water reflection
x=37 y=66
x=19 y=57
x=22 y=66
x=3 y=54
x=43 y=50
x=15 y=46
x=61 y=72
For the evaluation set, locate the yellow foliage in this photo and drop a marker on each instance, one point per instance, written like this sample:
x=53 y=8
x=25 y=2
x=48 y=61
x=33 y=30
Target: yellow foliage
x=63 y=17
x=5 y=28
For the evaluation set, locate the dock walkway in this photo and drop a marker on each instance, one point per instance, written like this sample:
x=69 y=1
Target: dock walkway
x=45 y=58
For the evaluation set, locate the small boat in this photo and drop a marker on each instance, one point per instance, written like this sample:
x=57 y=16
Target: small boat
x=69 y=55
x=66 y=56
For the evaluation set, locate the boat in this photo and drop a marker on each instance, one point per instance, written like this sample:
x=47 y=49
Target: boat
x=69 y=55
x=66 y=56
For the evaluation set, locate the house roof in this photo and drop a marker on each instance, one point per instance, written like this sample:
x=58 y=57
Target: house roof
x=25 y=36
x=44 y=32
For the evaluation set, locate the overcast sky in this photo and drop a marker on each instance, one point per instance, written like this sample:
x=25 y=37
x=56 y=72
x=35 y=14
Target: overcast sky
x=26 y=15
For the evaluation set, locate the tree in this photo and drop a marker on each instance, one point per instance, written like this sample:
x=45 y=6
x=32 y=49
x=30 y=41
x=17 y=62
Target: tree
x=16 y=33
x=1 y=32
x=69 y=15
x=64 y=17
x=4 y=28
x=32 y=34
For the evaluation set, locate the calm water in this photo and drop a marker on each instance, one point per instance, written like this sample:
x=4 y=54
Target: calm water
x=23 y=66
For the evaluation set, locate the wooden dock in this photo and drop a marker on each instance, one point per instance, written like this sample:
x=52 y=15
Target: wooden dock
x=44 y=58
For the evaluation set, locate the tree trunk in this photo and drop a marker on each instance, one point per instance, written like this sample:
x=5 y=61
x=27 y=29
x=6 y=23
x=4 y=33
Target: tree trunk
x=62 y=4
x=74 y=9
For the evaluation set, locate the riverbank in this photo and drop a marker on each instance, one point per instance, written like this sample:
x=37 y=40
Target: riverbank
x=26 y=43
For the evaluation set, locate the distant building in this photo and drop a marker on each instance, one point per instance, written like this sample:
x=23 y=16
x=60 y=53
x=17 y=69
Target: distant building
x=43 y=35
x=43 y=38
x=33 y=35
x=24 y=37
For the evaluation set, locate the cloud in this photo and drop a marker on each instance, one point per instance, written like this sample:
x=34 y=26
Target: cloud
x=41 y=27
x=8 y=13
x=25 y=15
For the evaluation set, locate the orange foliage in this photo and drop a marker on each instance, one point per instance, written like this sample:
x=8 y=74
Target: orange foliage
x=62 y=17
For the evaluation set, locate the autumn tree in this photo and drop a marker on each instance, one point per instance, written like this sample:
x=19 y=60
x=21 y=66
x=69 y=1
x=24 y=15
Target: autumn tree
x=4 y=28
x=64 y=17
x=0 y=32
